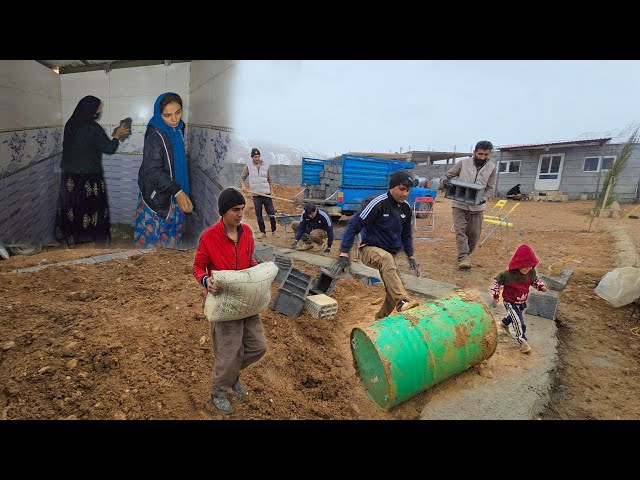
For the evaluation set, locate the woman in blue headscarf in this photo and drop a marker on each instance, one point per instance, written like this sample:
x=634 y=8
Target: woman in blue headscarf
x=163 y=178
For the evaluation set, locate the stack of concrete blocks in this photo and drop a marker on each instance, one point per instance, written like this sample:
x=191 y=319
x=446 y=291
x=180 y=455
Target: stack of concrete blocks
x=550 y=196
x=330 y=179
x=290 y=297
x=465 y=192
x=321 y=306
x=545 y=304
x=284 y=267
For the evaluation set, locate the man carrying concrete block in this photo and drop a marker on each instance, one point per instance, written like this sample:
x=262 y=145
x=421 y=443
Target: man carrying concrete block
x=467 y=217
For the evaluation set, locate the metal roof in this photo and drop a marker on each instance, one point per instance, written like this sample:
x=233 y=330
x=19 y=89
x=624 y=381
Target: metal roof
x=77 y=66
x=417 y=155
x=561 y=144
x=413 y=155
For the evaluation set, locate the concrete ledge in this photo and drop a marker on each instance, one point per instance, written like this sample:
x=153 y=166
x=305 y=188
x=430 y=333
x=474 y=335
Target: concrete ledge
x=422 y=285
x=518 y=388
x=88 y=260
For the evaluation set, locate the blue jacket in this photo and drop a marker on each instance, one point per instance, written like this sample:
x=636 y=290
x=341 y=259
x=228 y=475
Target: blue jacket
x=383 y=223
x=322 y=220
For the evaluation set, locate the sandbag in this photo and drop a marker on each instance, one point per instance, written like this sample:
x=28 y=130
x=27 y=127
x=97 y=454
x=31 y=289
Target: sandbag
x=620 y=286
x=244 y=292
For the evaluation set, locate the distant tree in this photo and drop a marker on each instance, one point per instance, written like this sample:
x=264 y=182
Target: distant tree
x=616 y=169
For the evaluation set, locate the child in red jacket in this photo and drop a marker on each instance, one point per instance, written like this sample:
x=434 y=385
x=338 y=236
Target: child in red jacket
x=516 y=280
x=229 y=245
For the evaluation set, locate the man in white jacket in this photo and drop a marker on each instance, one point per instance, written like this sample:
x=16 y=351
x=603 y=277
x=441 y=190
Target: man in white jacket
x=468 y=218
x=259 y=181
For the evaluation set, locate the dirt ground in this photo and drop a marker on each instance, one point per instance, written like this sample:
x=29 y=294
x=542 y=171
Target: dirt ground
x=127 y=339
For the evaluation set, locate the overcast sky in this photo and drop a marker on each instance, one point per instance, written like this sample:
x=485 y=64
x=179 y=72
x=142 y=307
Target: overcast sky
x=346 y=105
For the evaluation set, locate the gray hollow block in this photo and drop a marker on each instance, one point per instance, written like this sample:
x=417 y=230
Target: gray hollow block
x=543 y=304
x=298 y=282
x=471 y=193
x=324 y=283
x=557 y=283
x=284 y=267
x=287 y=302
x=263 y=253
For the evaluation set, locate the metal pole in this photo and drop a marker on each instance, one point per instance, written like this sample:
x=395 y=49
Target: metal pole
x=497 y=174
x=599 y=172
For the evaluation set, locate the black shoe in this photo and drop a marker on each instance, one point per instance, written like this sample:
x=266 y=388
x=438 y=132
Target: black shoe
x=238 y=389
x=222 y=403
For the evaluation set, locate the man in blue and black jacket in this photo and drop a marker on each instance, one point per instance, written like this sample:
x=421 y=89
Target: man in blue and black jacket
x=314 y=227
x=385 y=228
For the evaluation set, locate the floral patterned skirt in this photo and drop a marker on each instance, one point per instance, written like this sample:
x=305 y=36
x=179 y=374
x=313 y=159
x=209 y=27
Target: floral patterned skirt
x=82 y=214
x=151 y=230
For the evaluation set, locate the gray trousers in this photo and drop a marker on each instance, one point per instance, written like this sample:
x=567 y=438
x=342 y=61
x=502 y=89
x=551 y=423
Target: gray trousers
x=236 y=345
x=468 y=226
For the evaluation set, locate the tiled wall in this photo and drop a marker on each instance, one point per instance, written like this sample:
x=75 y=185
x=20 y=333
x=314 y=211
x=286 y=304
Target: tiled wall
x=35 y=103
x=210 y=139
x=126 y=92
x=30 y=148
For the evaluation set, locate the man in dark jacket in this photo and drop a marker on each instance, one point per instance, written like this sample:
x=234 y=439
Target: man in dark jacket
x=385 y=228
x=314 y=227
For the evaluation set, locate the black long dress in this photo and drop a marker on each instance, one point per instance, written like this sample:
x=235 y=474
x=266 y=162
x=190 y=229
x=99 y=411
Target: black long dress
x=82 y=213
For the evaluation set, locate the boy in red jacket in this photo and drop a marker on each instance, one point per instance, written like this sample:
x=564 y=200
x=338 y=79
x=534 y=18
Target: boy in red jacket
x=228 y=245
x=520 y=275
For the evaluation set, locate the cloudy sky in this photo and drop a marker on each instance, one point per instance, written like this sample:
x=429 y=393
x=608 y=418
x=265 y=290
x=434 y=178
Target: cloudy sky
x=345 y=105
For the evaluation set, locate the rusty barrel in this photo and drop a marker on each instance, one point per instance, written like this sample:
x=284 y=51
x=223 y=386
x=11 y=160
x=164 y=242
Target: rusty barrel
x=406 y=353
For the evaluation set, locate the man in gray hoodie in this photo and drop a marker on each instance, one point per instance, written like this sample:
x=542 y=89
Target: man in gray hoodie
x=468 y=218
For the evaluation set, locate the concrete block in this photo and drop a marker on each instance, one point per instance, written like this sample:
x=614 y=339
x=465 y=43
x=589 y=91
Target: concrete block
x=557 y=283
x=321 y=306
x=543 y=304
x=287 y=302
x=284 y=267
x=324 y=283
x=471 y=193
x=298 y=282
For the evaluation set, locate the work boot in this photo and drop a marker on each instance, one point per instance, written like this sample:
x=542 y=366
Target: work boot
x=505 y=327
x=404 y=305
x=524 y=346
x=464 y=264
x=238 y=389
x=273 y=232
x=222 y=403
x=262 y=235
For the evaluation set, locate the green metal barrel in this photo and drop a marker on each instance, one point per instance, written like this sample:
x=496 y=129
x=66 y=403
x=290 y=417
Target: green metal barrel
x=404 y=354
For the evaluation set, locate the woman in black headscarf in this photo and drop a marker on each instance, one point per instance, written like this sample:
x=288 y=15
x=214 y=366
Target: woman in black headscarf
x=83 y=211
